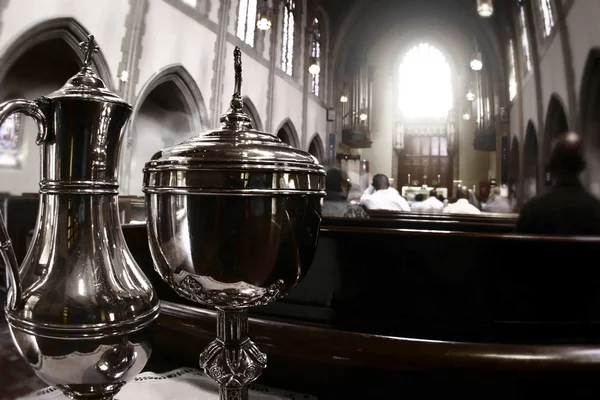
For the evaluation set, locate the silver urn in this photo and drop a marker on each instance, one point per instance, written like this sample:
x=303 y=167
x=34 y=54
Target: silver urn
x=79 y=309
x=233 y=222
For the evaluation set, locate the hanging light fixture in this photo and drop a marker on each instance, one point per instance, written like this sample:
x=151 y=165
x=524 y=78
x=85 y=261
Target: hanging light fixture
x=363 y=116
x=314 y=67
x=485 y=8
x=265 y=16
x=343 y=99
x=470 y=95
x=466 y=115
x=476 y=63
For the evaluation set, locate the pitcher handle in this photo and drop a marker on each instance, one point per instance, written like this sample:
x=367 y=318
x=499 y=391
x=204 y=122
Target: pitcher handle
x=31 y=109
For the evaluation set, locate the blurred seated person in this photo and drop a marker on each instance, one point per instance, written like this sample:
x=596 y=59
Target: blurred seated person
x=379 y=196
x=443 y=200
x=473 y=199
x=433 y=202
x=497 y=203
x=418 y=203
x=335 y=203
x=462 y=205
x=567 y=208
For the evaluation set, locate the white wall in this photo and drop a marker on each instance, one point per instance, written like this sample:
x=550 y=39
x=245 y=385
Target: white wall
x=171 y=35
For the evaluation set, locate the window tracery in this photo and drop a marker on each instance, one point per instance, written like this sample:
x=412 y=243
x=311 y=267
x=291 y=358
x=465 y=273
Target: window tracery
x=10 y=140
x=316 y=53
x=524 y=37
x=247 y=21
x=512 y=74
x=287 y=50
x=425 y=83
x=546 y=12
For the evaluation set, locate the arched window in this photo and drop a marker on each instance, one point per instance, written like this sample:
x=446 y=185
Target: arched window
x=10 y=141
x=524 y=37
x=247 y=21
x=546 y=12
x=287 y=49
x=425 y=83
x=512 y=78
x=316 y=54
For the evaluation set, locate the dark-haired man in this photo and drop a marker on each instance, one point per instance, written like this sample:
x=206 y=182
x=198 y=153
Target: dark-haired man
x=379 y=196
x=335 y=203
x=567 y=208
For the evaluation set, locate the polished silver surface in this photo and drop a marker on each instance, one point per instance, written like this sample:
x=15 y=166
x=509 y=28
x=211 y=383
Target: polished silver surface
x=233 y=222
x=79 y=308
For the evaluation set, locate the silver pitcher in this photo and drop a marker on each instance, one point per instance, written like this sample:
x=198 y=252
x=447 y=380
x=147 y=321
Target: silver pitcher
x=80 y=310
x=233 y=223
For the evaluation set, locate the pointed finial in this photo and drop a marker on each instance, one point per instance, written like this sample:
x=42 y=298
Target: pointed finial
x=89 y=47
x=236 y=101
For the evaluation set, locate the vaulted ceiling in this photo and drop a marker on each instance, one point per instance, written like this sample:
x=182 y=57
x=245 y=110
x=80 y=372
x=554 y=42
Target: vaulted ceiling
x=357 y=24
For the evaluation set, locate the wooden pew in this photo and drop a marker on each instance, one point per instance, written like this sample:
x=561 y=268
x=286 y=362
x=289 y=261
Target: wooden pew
x=485 y=222
x=335 y=364
x=427 y=223
x=434 y=284
x=384 y=309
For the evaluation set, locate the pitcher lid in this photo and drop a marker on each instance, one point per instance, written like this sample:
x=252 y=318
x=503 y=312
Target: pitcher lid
x=234 y=160
x=86 y=85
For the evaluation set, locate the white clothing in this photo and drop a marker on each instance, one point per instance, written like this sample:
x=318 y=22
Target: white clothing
x=432 y=204
x=462 y=206
x=497 y=205
x=385 y=199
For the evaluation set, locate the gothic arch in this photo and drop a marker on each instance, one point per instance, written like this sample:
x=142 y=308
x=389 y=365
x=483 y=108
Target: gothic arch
x=168 y=110
x=589 y=104
x=316 y=148
x=556 y=123
x=530 y=162
x=514 y=166
x=251 y=111
x=288 y=134
x=589 y=96
x=188 y=89
x=66 y=29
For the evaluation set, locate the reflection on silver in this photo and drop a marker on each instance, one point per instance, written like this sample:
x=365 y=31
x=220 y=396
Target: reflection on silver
x=79 y=309
x=233 y=221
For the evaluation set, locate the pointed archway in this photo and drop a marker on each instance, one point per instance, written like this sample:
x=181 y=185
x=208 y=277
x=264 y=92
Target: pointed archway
x=252 y=112
x=169 y=110
x=53 y=42
x=514 y=168
x=316 y=148
x=287 y=133
x=530 y=162
x=589 y=103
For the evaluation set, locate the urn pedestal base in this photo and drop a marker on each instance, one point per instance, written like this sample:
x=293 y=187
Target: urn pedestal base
x=233 y=360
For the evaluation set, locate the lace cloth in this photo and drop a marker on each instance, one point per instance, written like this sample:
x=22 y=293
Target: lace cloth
x=180 y=384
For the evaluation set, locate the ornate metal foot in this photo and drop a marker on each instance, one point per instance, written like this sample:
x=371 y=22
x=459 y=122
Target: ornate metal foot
x=233 y=360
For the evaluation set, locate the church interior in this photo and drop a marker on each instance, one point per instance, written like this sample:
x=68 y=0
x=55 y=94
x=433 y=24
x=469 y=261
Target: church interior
x=404 y=211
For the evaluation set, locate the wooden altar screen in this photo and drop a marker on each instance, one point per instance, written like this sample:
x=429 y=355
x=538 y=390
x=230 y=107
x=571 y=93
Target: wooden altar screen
x=425 y=157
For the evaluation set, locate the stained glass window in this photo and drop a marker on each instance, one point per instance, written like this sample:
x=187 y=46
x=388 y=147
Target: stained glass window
x=247 y=21
x=547 y=13
x=287 y=50
x=524 y=37
x=316 y=53
x=191 y=3
x=512 y=75
x=425 y=83
x=10 y=140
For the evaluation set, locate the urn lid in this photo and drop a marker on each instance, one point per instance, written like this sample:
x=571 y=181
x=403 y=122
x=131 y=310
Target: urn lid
x=86 y=85
x=234 y=160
